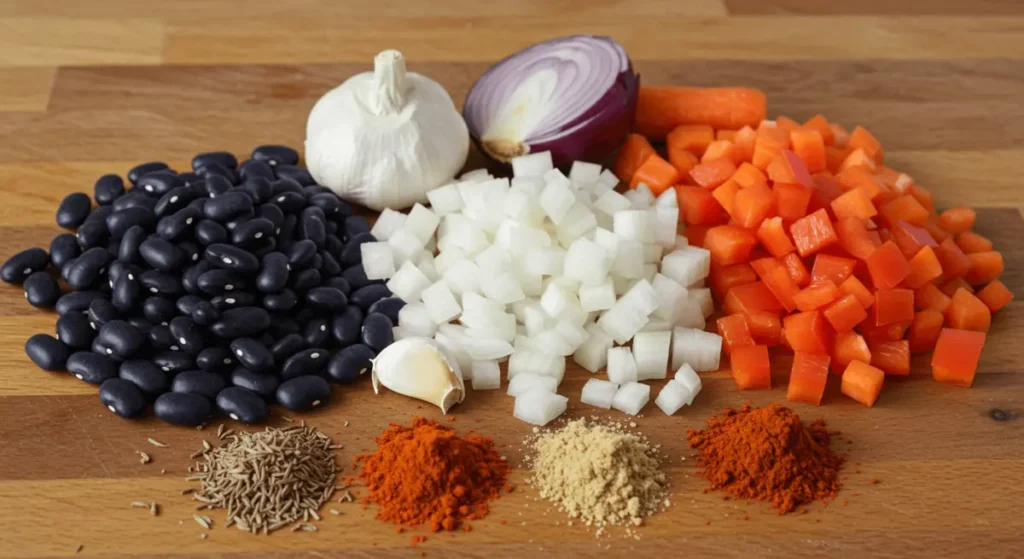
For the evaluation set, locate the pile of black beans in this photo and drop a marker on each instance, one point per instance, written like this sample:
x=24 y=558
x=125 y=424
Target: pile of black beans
x=227 y=287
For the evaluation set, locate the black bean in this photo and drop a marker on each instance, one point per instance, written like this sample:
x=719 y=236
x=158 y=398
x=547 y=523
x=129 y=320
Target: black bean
x=76 y=301
x=242 y=405
x=318 y=262
x=282 y=185
x=190 y=279
x=198 y=382
x=159 y=283
x=377 y=331
x=217 y=170
x=146 y=376
x=263 y=385
x=216 y=185
x=47 y=352
x=118 y=268
x=108 y=188
x=185 y=409
x=313 y=228
x=88 y=268
x=138 y=171
x=205 y=313
x=284 y=326
x=160 y=182
x=326 y=299
x=120 y=339
x=233 y=300
x=74 y=330
x=283 y=301
x=188 y=334
x=287 y=345
x=253 y=230
x=276 y=155
x=120 y=221
x=289 y=202
x=91 y=367
x=113 y=246
x=253 y=355
x=122 y=397
x=316 y=332
x=305 y=279
x=232 y=258
x=221 y=157
x=63 y=247
x=245 y=321
x=175 y=200
x=141 y=323
x=134 y=199
x=187 y=303
x=356 y=277
x=339 y=283
x=305 y=362
x=100 y=312
x=228 y=206
x=346 y=325
x=352 y=253
x=161 y=254
x=190 y=250
x=366 y=296
x=159 y=309
x=297 y=174
x=24 y=264
x=217 y=281
x=263 y=247
x=73 y=210
x=252 y=168
x=208 y=232
x=41 y=290
x=355 y=226
x=333 y=245
x=388 y=306
x=173 y=362
x=259 y=188
x=271 y=213
x=330 y=267
x=178 y=225
x=313 y=189
x=128 y=251
x=332 y=228
x=303 y=393
x=329 y=203
x=300 y=254
x=351 y=362
x=92 y=233
x=215 y=359
x=161 y=338
x=127 y=292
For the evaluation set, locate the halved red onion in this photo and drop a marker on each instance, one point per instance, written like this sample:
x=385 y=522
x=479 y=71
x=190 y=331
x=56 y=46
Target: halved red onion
x=573 y=96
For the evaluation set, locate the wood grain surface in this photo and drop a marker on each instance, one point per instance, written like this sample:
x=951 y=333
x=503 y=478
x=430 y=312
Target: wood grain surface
x=89 y=87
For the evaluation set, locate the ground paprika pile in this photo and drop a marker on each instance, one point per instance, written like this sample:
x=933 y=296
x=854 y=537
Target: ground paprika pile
x=767 y=454
x=428 y=474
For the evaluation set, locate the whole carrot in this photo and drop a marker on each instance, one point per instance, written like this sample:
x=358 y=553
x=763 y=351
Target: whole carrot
x=662 y=108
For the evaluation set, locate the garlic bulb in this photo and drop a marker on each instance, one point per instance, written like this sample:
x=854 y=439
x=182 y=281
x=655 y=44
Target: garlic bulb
x=384 y=138
x=420 y=368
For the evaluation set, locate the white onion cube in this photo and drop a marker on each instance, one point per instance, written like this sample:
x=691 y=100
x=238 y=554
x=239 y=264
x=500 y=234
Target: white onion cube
x=652 y=253
x=703 y=298
x=456 y=351
x=656 y=324
x=415 y=321
x=556 y=199
x=532 y=165
x=445 y=199
x=573 y=334
x=690 y=380
x=665 y=223
x=612 y=202
x=485 y=349
x=476 y=175
x=670 y=294
x=631 y=397
x=587 y=262
x=578 y=221
x=421 y=222
x=651 y=351
x=522 y=207
x=378 y=261
x=539 y=407
x=667 y=199
x=642 y=296
x=531 y=185
x=686 y=265
x=502 y=289
x=633 y=225
x=525 y=382
x=387 y=223
x=681 y=242
x=701 y=350
x=672 y=397
x=584 y=172
x=608 y=240
x=425 y=262
x=408 y=282
x=486 y=375
x=404 y=246
x=608 y=178
x=592 y=355
x=441 y=304
x=597 y=297
x=629 y=259
x=544 y=261
x=621 y=365
x=599 y=393
x=689 y=314
x=493 y=261
x=552 y=343
x=640 y=198
x=622 y=322
x=463 y=277
x=445 y=259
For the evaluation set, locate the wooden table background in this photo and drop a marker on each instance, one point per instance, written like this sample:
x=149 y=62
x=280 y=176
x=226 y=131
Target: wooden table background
x=89 y=87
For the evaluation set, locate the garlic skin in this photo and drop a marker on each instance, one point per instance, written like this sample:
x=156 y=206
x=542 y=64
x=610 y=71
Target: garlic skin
x=384 y=138
x=420 y=368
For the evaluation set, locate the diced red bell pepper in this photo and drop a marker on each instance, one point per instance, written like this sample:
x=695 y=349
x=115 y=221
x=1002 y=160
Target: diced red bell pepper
x=862 y=382
x=845 y=313
x=807 y=378
x=892 y=357
x=893 y=306
x=734 y=331
x=751 y=368
x=956 y=356
x=887 y=266
x=812 y=233
x=750 y=298
x=807 y=332
x=776 y=278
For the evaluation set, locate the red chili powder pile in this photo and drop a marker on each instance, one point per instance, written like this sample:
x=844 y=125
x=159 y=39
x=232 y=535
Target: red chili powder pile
x=428 y=474
x=767 y=454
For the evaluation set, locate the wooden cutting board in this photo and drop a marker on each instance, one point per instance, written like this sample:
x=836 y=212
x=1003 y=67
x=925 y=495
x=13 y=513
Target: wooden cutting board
x=89 y=87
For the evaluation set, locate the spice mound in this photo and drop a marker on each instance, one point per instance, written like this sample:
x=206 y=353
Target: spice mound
x=267 y=479
x=428 y=474
x=599 y=474
x=767 y=454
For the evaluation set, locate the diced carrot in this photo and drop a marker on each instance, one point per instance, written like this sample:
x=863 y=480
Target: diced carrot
x=995 y=295
x=930 y=297
x=809 y=145
x=937 y=233
x=924 y=268
x=924 y=196
x=858 y=158
x=765 y=150
x=773 y=237
x=807 y=378
x=747 y=175
x=924 y=330
x=862 y=382
x=682 y=160
x=694 y=138
x=834 y=157
x=845 y=313
x=820 y=123
x=713 y=173
x=831 y=268
x=657 y=174
x=698 y=206
x=862 y=139
x=772 y=130
x=695 y=233
x=816 y=295
x=734 y=331
x=854 y=203
x=887 y=333
x=807 y=332
x=660 y=109
x=893 y=306
x=956 y=356
x=751 y=368
x=726 y=195
x=724 y=278
x=752 y=205
x=813 y=233
x=911 y=238
x=888 y=176
x=787 y=167
x=849 y=347
x=950 y=286
x=786 y=123
x=750 y=298
x=905 y=208
x=792 y=200
x=776 y=278
x=887 y=266
x=744 y=139
x=842 y=137
x=969 y=242
x=967 y=312
x=853 y=286
x=859 y=177
x=985 y=267
x=729 y=244
x=954 y=262
x=634 y=151
x=854 y=237
x=893 y=358
x=796 y=269
x=723 y=149
x=957 y=220
x=727 y=135
x=875 y=236
x=765 y=327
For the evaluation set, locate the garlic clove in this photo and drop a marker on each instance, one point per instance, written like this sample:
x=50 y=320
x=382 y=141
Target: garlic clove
x=420 y=368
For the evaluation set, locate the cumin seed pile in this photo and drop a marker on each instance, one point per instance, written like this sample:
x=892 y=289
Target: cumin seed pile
x=267 y=479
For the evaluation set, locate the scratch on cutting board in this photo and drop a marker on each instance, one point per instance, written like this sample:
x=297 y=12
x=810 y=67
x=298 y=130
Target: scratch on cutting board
x=90 y=442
